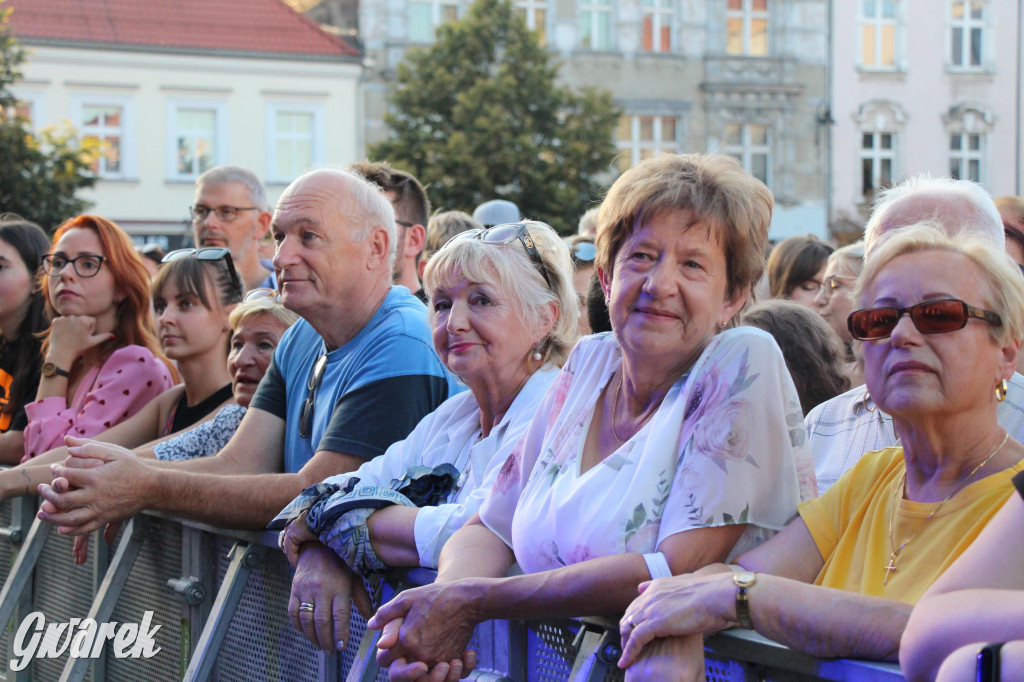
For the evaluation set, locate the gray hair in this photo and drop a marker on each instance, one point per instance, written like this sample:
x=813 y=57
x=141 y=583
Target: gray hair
x=257 y=307
x=509 y=268
x=1002 y=285
x=851 y=253
x=588 y=222
x=953 y=206
x=219 y=175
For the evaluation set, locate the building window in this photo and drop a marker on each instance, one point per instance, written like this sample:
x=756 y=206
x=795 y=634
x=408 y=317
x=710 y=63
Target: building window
x=596 y=24
x=750 y=144
x=877 y=161
x=427 y=15
x=966 y=152
x=967 y=31
x=295 y=141
x=878 y=34
x=643 y=137
x=104 y=125
x=197 y=137
x=659 y=17
x=534 y=13
x=746 y=28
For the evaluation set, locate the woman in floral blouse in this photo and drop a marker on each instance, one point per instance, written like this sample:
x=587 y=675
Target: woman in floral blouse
x=663 y=446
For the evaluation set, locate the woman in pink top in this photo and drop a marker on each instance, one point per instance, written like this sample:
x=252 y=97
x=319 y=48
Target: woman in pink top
x=102 y=362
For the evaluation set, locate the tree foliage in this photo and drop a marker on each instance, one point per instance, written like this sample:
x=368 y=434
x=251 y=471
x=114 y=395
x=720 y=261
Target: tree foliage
x=479 y=115
x=39 y=174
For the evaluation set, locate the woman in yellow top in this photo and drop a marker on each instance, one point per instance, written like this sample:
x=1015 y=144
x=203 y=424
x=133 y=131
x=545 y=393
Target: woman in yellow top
x=942 y=322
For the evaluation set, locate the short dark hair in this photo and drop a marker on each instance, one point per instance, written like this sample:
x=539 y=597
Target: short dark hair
x=411 y=203
x=813 y=351
x=597 y=309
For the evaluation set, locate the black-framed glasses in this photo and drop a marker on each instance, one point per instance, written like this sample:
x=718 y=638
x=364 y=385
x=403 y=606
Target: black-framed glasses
x=209 y=253
x=315 y=376
x=834 y=282
x=225 y=214
x=85 y=266
x=262 y=292
x=930 y=317
x=510 y=232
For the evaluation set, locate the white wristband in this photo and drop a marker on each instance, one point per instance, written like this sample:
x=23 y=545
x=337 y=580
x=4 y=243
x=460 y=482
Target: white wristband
x=657 y=565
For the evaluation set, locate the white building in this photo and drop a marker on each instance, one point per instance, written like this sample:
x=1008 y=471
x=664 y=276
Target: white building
x=171 y=89
x=923 y=87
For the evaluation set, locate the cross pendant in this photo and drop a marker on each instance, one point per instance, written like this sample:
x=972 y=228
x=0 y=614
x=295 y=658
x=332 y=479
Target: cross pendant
x=889 y=569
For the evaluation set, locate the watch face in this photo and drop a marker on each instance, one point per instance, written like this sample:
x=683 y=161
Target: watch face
x=745 y=579
x=48 y=369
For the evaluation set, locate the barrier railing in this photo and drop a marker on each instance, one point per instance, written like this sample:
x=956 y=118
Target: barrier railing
x=218 y=601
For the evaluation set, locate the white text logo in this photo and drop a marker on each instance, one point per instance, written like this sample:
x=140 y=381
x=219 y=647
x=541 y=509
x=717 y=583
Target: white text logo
x=82 y=638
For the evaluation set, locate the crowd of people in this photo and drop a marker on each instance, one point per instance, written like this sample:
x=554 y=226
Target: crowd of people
x=661 y=418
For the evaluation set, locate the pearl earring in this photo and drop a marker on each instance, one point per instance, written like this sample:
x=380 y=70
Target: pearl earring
x=536 y=355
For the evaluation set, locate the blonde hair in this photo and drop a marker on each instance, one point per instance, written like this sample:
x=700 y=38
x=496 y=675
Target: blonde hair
x=509 y=268
x=1002 y=289
x=735 y=206
x=265 y=305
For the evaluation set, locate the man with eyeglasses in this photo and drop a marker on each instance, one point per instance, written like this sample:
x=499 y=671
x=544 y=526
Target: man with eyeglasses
x=412 y=210
x=230 y=210
x=842 y=429
x=1011 y=210
x=354 y=375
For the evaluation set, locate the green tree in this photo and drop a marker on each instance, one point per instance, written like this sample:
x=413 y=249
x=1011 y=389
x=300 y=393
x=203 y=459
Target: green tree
x=479 y=115
x=39 y=174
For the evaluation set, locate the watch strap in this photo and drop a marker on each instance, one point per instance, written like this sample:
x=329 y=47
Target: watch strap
x=744 y=582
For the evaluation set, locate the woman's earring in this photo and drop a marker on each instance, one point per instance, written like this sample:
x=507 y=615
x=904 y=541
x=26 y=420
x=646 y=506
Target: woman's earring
x=868 y=405
x=1001 y=388
x=536 y=355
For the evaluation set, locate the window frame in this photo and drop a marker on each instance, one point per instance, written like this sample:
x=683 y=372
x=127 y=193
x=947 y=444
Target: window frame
x=878 y=22
x=220 y=126
x=529 y=9
x=635 y=146
x=79 y=101
x=658 y=14
x=877 y=154
x=595 y=9
x=747 y=15
x=966 y=24
x=964 y=155
x=37 y=100
x=318 y=135
x=435 y=16
x=747 y=149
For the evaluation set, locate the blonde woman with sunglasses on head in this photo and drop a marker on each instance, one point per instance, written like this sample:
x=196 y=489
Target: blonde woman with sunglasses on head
x=941 y=321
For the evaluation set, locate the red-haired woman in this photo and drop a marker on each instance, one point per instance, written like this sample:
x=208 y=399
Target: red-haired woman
x=102 y=362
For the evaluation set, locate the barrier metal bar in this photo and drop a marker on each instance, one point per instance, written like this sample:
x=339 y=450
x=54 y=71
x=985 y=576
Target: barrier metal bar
x=110 y=590
x=244 y=558
x=21 y=573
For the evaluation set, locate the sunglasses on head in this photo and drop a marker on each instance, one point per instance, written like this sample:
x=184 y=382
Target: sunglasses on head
x=510 y=232
x=930 y=317
x=583 y=252
x=208 y=253
x=263 y=292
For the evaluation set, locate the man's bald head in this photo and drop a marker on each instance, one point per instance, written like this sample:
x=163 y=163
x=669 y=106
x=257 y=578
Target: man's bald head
x=953 y=205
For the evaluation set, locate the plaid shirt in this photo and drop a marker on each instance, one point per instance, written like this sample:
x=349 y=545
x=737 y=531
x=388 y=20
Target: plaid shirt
x=842 y=429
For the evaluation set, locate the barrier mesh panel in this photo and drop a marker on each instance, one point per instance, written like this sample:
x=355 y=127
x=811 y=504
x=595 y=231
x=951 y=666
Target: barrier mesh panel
x=62 y=591
x=551 y=651
x=717 y=670
x=8 y=553
x=260 y=643
x=159 y=560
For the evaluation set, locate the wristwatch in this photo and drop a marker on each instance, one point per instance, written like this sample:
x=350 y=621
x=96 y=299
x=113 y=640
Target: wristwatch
x=744 y=581
x=49 y=369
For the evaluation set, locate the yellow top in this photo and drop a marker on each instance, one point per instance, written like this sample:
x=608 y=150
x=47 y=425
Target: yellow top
x=850 y=526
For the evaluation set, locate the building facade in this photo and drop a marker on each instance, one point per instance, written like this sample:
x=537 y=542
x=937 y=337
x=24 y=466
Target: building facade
x=166 y=101
x=743 y=77
x=918 y=90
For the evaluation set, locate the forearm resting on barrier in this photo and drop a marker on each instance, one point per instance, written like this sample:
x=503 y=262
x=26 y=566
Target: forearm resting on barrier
x=393 y=536
x=946 y=622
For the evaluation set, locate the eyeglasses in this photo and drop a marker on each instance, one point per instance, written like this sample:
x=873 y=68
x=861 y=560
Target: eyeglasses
x=931 y=317
x=834 y=282
x=84 y=266
x=209 y=253
x=225 y=214
x=263 y=292
x=315 y=376
x=584 y=252
x=510 y=232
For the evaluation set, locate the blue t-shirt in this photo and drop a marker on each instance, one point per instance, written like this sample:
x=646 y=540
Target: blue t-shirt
x=374 y=389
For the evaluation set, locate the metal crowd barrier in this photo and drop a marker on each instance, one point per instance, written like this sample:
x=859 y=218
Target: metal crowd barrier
x=220 y=600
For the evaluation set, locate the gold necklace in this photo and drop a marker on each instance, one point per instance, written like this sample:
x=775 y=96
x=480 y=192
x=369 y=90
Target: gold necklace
x=615 y=411
x=891 y=567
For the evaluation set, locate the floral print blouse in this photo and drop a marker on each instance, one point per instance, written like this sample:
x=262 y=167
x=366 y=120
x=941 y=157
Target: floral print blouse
x=726 y=446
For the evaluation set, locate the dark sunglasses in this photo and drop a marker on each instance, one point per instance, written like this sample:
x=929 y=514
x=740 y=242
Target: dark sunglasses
x=510 y=232
x=315 y=376
x=208 y=253
x=930 y=317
